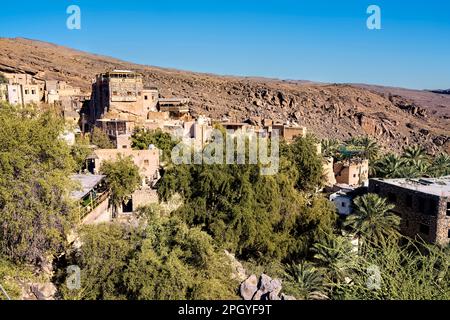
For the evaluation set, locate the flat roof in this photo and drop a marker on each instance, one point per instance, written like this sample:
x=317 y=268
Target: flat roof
x=435 y=186
x=121 y=71
x=87 y=182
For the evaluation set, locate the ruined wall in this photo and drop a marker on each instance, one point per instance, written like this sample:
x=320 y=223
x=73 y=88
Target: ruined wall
x=290 y=133
x=144 y=197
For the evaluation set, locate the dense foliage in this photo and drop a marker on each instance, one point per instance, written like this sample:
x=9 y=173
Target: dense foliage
x=100 y=139
x=413 y=163
x=79 y=152
x=258 y=217
x=122 y=177
x=35 y=165
x=142 y=139
x=277 y=224
x=163 y=259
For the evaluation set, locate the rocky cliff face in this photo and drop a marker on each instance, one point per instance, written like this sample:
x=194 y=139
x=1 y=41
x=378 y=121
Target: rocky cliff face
x=395 y=117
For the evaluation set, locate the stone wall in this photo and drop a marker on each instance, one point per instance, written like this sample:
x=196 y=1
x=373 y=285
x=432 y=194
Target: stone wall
x=144 y=197
x=422 y=214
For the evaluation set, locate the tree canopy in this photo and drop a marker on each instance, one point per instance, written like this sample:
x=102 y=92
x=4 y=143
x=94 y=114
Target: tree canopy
x=122 y=177
x=142 y=139
x=163 y=259
x=256 y=216
x=35 y=166
x=100 y=139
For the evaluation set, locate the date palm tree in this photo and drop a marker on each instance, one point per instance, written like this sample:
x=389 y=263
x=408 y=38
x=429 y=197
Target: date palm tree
x=389 y=167
x=330 y=147
x=440 y=166
x=373 y=221
x=415 y=153
x=336 y=257
x=369 y=147
x=307 y=280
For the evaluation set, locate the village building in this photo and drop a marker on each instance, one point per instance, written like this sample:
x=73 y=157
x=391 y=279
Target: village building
x=121 y=94
x=148 y=163
x=92 y=198
x=343 y=199
x=146 y=160
x=423 y=204
x=24 y=89
x=353 y=172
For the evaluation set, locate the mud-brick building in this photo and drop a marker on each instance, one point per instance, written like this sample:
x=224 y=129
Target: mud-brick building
x=353 y=173
x=121 y=94
x=423 y=205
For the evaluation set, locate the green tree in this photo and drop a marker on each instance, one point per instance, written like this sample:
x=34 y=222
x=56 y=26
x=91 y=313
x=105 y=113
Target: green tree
x=373 y=220
x=330 y=148
x=178 y=262
x=389 y=166
x=103 y=258
x=11 y=276
x=415 y=153
x=142 y=139
x=122 y=177
x=80 y=151
x=35 y=208
x=100 y=139
x=336 y=258
x=159 y=260
x=308 y=162
x=307 y=280
x=440 y=166
x=413 y=271
x=366 y=147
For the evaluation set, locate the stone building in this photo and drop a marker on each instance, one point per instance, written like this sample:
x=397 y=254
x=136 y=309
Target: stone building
x=146 y=160
x=353 y=173
x=289 y=133
x=23 y=89
x=423 y=205
x=120 y=94
x=148 y=163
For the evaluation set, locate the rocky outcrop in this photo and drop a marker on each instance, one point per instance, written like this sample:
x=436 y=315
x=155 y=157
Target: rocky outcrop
x=249 y=287
x=238 y=271
x=264 y=288
x=38 y=291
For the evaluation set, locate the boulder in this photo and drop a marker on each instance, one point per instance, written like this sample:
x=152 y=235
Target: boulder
x=249 y=287
x=268 y=288
x=239 y=272
x=44 y=291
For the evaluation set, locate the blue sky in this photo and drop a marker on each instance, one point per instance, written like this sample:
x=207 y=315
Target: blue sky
x=291 y=39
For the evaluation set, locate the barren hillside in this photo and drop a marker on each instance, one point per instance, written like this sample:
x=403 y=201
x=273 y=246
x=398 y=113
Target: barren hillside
x=395 y=117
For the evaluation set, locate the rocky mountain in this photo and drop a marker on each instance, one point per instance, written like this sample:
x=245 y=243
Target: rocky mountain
x=395 y=117
x=441 y=91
